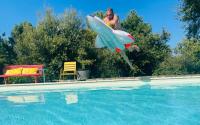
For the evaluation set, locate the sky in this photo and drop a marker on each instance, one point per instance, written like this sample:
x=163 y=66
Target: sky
x=159 y=13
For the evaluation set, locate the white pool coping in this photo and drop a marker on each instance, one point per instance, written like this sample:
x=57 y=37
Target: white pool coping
x=161 y=81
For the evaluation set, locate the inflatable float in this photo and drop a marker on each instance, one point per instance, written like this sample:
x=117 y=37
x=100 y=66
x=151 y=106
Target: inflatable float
x=114 y=40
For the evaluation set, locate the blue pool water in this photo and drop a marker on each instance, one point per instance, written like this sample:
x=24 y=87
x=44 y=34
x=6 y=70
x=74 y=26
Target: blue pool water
x=124 y=106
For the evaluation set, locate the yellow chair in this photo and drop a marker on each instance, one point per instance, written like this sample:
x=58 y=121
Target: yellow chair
x=69 y=69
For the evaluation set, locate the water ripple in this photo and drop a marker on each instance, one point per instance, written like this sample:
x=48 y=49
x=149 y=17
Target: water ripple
x=114 y=106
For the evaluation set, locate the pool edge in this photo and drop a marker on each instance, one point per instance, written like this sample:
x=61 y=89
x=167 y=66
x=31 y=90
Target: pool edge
x=112 y=82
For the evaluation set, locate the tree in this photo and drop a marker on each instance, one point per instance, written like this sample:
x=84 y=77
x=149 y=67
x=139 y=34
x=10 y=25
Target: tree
x=190 y=14
x=23 y=35
x=154 y=48
x=54 y=40
x=185 y=60
x=100 y=14
x=189 y=51
x=173 y=65
x=7 y=54
x=59 y=39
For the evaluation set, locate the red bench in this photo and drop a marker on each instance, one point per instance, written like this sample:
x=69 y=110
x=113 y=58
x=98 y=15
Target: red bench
x=23 y=71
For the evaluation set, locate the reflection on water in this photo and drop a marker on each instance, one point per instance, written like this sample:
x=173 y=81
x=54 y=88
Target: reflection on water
x=71 y=98
x=26 y=99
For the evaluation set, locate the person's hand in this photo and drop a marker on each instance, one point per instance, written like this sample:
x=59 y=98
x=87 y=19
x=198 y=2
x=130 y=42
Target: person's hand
x=136 y=48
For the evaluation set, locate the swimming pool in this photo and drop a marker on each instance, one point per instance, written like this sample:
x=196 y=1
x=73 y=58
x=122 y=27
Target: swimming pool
x=102 y=106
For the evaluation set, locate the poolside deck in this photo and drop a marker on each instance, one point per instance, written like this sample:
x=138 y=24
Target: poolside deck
x=161 y=81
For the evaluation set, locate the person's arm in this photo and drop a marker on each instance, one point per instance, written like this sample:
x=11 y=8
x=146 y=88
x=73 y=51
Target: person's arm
x=104 y=19
x=115 y=20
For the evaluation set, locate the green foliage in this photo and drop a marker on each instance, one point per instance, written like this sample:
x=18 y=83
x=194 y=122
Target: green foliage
x=55 y=39
x=171 y=66
x=186 y=60
x=190 y=14
x=100 y=14
x=154 y=48
x=7 y=54
x=189 y=51
x=106 y=64
x=20 y=80
x=135 y=25
x=86 y=48
x=24 y=47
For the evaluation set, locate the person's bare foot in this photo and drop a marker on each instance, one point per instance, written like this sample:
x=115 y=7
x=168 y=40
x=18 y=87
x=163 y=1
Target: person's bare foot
x=134 y=47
